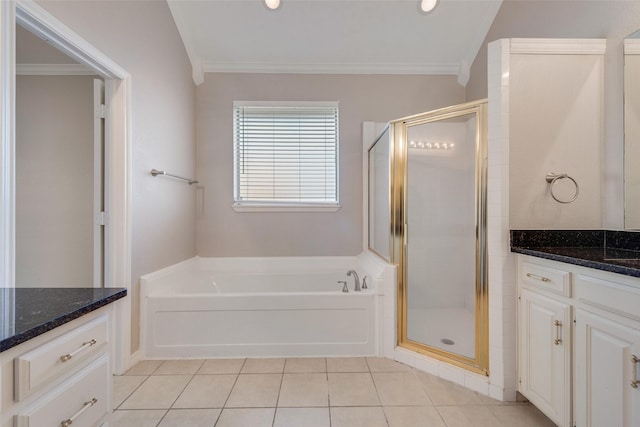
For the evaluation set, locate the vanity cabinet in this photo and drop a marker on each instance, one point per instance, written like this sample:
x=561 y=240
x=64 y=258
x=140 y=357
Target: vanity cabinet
x=579 y=343
x=544 y=341
x=60 y=378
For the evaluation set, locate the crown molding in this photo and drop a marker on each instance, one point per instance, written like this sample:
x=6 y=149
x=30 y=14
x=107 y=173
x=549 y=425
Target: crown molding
x=559 y=46
x=632 y=46
x=417 y=69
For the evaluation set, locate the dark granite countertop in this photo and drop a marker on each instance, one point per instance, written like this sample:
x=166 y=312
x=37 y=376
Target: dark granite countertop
x=614 y=251
x=26 y=313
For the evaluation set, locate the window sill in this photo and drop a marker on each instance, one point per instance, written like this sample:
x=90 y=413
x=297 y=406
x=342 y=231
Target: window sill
x=284 y=208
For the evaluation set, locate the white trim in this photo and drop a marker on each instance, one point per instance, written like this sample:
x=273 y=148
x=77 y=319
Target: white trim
x=7 y=144
x=254 y=207
x=117 y=200
x=196 y=62
x=53 y=70
x=251 y=67
x=38 y=21
x=330 y=104
x=464 y=73
x=632 y=46
x=559 y=46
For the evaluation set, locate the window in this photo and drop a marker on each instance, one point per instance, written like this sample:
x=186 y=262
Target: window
x=285 y=156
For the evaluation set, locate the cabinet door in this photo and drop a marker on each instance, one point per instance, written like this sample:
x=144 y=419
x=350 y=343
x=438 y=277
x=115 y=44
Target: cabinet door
x=605 y=372
x=544 y=355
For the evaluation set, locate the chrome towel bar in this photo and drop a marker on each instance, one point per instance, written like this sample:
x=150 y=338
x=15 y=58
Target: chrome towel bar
x=156 y=172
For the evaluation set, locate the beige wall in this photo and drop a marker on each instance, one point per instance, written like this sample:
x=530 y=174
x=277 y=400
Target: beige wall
x=54 y=181
x=608 y=19
x=224 y=232
x=141 y=37
x=556 y=125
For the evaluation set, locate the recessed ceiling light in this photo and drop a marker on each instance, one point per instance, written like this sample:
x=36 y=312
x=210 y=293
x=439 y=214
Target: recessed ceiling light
x=272 y=4
x=428 y=5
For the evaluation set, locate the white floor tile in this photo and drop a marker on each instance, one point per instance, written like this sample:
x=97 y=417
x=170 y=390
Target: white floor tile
x=304 y=390
x=221 y=366
x=305 y=365
x=302 y=417
x=399 y=389
x=144 y=367
x=358 y=417
x=255 y=391
x=410 y=416
x=253 y=417
x=190 y=417
x=463 y=416
x=347 y=364
x=157 y=392
x=206 y=391
x=123 y=386
x=380 y=364
x=179 y=367
x=263 y=366
x=138 y=418
x=352 y=389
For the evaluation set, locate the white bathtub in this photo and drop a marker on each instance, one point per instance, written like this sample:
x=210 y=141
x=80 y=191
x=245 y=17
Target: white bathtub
x=259 y=307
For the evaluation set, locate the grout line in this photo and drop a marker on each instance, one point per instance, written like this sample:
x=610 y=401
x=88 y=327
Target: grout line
x=162 y=418
x=129 y=395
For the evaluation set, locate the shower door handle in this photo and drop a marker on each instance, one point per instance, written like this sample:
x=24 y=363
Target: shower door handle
x=406 y=234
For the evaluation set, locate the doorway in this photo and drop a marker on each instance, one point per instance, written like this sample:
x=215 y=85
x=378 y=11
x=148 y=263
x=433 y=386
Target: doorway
x=439 y=222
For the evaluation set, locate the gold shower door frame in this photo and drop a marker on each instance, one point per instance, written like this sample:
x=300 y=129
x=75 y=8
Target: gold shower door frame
x=399 y=177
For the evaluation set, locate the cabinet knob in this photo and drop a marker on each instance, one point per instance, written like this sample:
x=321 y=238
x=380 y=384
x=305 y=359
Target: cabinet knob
x=634 y=371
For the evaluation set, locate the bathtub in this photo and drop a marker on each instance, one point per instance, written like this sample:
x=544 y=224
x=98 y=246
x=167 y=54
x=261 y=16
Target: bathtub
x=259 y=307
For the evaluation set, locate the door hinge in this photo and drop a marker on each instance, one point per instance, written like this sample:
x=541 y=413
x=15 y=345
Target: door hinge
x=101 y=111
x=101 y=219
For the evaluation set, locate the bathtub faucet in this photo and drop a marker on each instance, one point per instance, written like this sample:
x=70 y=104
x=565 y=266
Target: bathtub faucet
x=355 y=275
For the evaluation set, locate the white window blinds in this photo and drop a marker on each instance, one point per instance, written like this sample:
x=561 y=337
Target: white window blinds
x=285 y=154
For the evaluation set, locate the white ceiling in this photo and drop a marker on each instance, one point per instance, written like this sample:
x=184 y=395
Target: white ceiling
x=333 y=36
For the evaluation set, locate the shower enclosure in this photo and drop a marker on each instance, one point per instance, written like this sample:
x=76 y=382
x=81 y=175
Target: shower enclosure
x=438 y=233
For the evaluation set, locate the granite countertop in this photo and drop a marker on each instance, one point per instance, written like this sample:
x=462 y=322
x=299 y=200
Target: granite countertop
x=26 y=313
x=613 y=251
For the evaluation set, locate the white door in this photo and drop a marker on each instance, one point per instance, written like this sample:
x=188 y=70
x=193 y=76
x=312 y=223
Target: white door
x=544 y=355
x=99 y=118
x=607 y=393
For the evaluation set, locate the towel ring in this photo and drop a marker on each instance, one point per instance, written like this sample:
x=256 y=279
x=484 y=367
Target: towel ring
x=551 y=178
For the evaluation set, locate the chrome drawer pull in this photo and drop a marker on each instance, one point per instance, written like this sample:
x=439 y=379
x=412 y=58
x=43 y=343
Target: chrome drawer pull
x=535 y=276
x=84 y=346
x=87 y=405
x=558 y=325
x=634 y=371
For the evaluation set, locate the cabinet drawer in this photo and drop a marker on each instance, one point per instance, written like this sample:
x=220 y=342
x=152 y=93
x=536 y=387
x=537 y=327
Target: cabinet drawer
x=36 y=367
x=611 y=296
x=83 y=399
x=547 y=278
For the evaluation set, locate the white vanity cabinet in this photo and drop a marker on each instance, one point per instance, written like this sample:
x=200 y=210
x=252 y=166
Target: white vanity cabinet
x=607 y=351
x=578 y=342
x=544 y=341
x=60 y=378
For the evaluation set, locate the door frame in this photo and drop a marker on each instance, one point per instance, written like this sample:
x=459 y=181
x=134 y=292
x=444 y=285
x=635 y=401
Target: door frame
x=117 y=156
x=399 y=237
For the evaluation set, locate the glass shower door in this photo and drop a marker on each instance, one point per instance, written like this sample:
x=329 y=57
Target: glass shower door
x=443 y=215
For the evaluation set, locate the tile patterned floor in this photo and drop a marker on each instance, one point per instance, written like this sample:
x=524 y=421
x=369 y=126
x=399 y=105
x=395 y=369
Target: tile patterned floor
x=303 y=392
